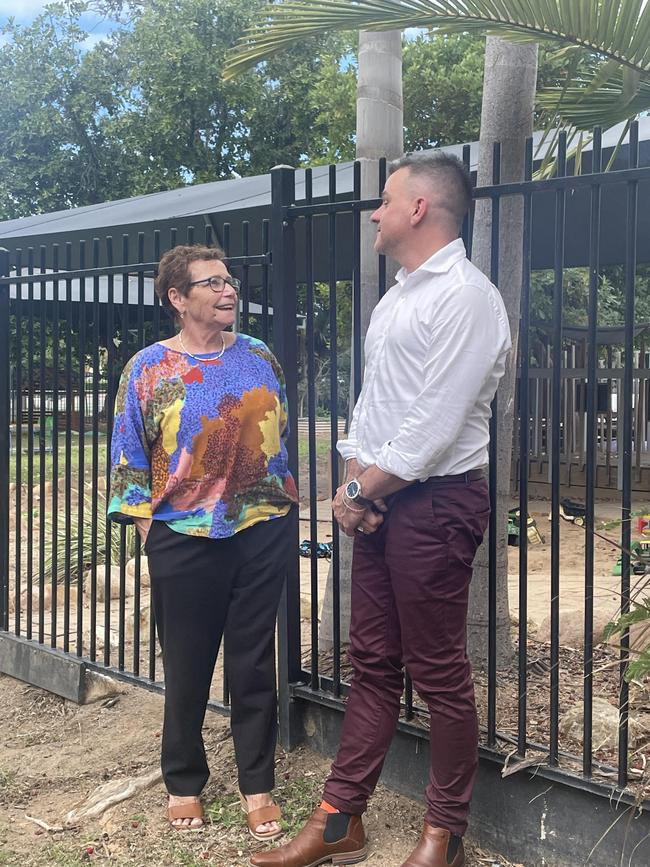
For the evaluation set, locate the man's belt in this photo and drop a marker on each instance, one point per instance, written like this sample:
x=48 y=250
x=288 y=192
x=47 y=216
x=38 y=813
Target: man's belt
x=469 y=476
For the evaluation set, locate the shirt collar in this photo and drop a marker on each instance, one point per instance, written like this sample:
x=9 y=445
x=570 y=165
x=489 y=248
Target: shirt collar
x=441 y=262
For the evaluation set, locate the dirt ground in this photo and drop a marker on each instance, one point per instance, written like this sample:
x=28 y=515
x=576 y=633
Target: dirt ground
x=54 y=753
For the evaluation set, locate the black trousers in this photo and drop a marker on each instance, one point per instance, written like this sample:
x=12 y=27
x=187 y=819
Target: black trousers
x=205 y=589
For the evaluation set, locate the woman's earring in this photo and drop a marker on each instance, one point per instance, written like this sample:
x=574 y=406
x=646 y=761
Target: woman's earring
x=182 y=314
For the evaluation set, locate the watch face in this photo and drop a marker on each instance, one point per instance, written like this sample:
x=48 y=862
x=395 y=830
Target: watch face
x=353 y=489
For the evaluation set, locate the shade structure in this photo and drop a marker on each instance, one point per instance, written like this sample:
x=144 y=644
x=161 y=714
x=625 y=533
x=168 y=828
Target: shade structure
x=249 y=200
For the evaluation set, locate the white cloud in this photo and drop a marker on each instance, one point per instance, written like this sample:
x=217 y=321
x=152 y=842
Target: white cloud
x=21 y=9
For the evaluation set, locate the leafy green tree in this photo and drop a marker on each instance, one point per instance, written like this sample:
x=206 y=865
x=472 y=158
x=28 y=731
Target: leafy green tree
x=146 y=109
x=52 y=152
x=181 y=123
x=611 y=296
x=443 y=86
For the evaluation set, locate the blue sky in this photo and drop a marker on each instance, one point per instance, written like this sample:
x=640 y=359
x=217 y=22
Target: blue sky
x=25 y=11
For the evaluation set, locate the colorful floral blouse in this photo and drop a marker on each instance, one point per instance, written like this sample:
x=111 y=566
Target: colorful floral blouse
x=199 y=444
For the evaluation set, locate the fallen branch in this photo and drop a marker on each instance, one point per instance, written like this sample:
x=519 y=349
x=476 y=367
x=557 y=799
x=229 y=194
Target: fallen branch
x=108 y=795
x=44 y=825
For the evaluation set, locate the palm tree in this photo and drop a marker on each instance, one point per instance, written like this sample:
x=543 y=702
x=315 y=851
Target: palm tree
x=506 y=117
x=380 y=133
x=614 y=34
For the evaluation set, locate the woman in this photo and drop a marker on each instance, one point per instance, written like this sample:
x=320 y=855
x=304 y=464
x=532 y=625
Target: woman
x=199 y=464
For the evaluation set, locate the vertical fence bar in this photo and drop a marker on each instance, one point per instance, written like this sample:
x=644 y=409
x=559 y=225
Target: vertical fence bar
x=334 y=433
x=4 y=440
x=283 y=246
x=591 y=455
x=245 y=275
x=356 y=287
x=524 y=457
x=69 y=408
x=266 y=247
x=492 y=545
x=30 y=450
x=408 y=697
x=81 y=457
x=42 y=445
x=626 y=454
x=466 y=233
x=156 y=334
x=137 y=576
x=18 y=354
x=381 y=277
x=95 y=466
x=155 y=325
x=311 y=421
x=110 y=406
x=125 y=353
x=54 y=525
x=556 y=414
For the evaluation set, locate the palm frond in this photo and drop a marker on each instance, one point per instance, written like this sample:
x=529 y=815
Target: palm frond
x=613 y=29
x=605 y=98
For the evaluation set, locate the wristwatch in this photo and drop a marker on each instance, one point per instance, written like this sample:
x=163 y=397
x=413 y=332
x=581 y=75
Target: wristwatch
x=353 y=493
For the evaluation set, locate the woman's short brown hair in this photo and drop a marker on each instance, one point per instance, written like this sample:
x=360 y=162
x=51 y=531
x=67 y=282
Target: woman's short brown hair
x=174 y=270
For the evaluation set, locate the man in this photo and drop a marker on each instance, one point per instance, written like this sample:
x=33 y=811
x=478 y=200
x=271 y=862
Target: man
x=416 y=500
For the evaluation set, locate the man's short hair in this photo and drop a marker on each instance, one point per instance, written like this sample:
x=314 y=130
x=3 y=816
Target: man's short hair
x=174 y=270
x=445 y=172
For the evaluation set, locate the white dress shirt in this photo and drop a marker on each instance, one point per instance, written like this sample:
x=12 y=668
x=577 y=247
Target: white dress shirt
x=435 y=351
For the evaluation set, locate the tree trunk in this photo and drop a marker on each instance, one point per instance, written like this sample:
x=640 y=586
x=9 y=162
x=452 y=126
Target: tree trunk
x=507 y=117
x=380 y=133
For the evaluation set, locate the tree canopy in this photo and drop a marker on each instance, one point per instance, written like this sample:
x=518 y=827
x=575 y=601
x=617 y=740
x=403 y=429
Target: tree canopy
x=147 y=108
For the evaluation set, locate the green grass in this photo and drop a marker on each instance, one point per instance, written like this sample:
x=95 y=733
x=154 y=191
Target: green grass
x=296 y=797
x=6 y=780
x=226 y=811
x=322 y=448
x=322 y=452
x=182 y=858
x=63 y=857
x=49 y=459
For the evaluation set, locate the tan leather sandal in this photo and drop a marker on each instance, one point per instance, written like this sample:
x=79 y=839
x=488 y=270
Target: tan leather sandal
x=189 y=810
x=261 y=816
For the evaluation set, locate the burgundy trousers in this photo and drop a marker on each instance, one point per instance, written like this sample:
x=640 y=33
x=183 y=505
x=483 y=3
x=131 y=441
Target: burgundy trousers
x=410 y=585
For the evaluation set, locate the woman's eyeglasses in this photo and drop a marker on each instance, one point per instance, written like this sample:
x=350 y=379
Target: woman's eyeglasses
x=218 y=284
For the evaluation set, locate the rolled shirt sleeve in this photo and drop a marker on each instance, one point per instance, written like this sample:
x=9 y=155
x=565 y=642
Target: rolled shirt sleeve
x=347 y=447
x=130 y=480
x=464 y=348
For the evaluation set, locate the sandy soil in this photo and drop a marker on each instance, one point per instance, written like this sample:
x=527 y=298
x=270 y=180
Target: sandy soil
x=54 y=753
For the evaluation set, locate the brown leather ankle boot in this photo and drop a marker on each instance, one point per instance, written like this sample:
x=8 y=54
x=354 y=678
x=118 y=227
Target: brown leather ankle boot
x=436 y=848
x=311 y=848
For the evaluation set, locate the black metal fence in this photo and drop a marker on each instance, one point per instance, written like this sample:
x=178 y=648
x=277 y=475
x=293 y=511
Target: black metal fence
x=526 y=708
x=71 y=581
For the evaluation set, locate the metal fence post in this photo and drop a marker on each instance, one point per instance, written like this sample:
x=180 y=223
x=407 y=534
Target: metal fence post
x=285 y=347
x=4 y=441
